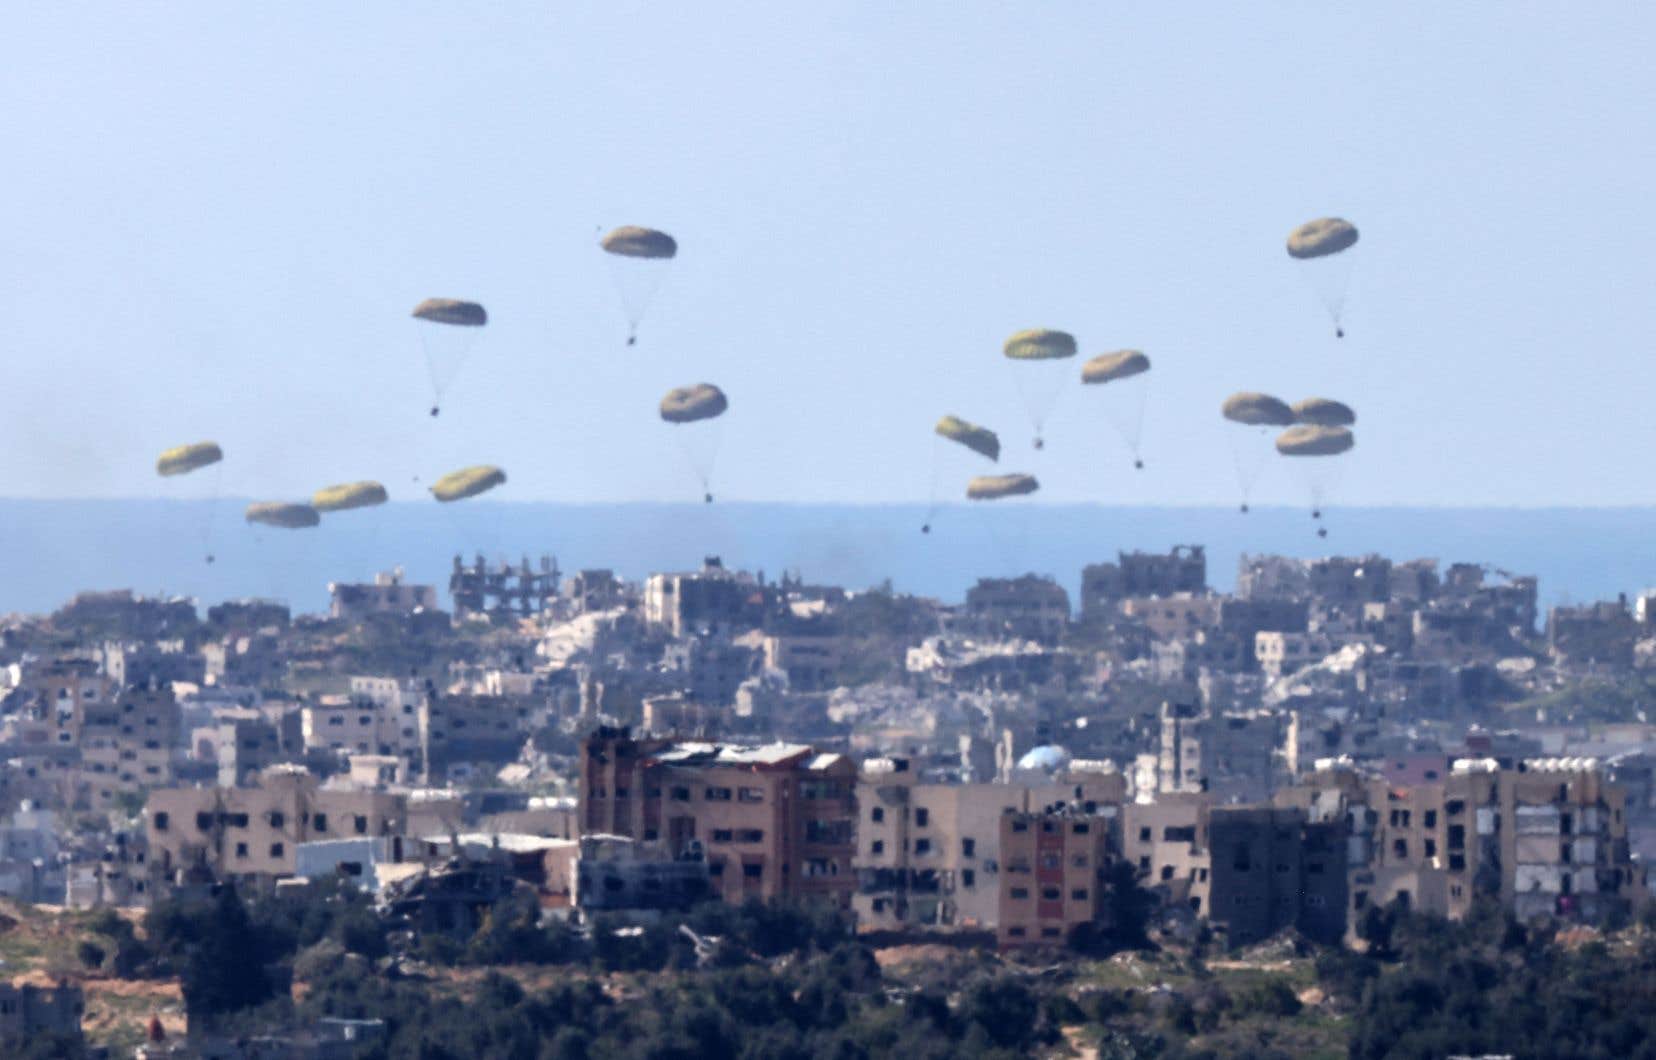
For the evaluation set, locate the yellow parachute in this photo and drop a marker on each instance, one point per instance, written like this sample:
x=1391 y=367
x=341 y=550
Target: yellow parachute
x=980 y=440
x=1322 y=237
x=1314 y=440
x=1324 y=412
x=183 y=459
x=633 y=241
x=467 y=482
x=995 y=487
x=285 y=516
x=1108 y=367
x=1040 y=344
x=1257 y=410
x=687 y=404
x=348 y=495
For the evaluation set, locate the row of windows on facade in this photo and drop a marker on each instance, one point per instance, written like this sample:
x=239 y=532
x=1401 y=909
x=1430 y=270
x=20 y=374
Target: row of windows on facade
x=1049 y=894
x=682 y=794
x=276 y=819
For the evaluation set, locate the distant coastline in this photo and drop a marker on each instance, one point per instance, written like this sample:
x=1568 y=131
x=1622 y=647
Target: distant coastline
x=50 y=549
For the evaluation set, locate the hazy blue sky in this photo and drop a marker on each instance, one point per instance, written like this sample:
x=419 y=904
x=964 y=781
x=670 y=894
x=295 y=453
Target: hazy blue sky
x=217 y=216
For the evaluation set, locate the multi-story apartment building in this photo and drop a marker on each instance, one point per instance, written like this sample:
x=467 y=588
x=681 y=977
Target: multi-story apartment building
x=929 y=854
x=387 y=594
x=1271 y=868
x=1183 y=569
x=712 y=600
x=126 y=744
x=1233 y=757
x=254 y=833
x=1548 y=837
x=1053 y=876
x=772 y=821
x=1028 y=607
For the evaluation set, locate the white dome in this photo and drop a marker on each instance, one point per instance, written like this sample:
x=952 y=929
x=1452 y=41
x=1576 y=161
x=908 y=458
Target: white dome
x=1048 y=758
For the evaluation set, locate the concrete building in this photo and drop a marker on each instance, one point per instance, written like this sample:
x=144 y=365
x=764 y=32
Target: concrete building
x=1232 y=757
x=387 y=594
x=1028 y=607
x=712 y=599
x=127 y=744
x=501 y=590
x=1271 y=869
x=1053 y=877
x=615 y=873
x=772 y=821
x=928 y=854
x=1183 y=569
x=254 y=833
x=27 y=1010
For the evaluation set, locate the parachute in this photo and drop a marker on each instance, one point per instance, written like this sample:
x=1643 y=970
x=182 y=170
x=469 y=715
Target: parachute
x=347 y=496
x=1314 y=440
x=640 y=258
x=1311 y=444
x=1322 y=245
x=1035 y=353
x=285 y=516
x=1127 y=371
x=979 y=440
x=1257 y=410
x=448 y=330
x=996 y=487
x=467 y=482
x=695 y=410
x=1324 y=412
x=1250 y=451
x=183 y=459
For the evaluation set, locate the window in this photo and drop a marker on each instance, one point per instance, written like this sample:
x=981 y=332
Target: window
x=1457 y=836
x=877 y=847
x=750 y=835
x=715 y=869
x=320 y=822
x=968 y=878
x=1020 y=893
x=750 y=794
x=1454 y=807
x=922 y=846
x=277 y=818
x=161 y=820
x=621 y=792
x=717 y=795
x=1079 y=861
x=1016 y=932
x=1144 y=835
x=276 y=850
x=1081 y=828
x=1052 y=861
x=680 y=794
x=1400 y=848
x=877 y=814
x=1049 y=933
x=1243 y=861
x=1020 y=826
x=753 y=871
x=241 y=850
x=237 y=820
x=1457 y=862
x=1051 y=894
x=1166 y=873
x=968 y=847
x=1430 y=850
x=1429 y=818
x=922 y=817
x=361 y=824
x=1079 y=894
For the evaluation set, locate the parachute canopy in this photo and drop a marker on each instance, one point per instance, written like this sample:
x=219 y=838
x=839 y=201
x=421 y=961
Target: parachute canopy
x=1257 y=410
x=1322 y=237
x=1313 y=440
x=467 y=482
x=631 y=241
x=1324 y=412
x=347 y=495
x=286 y=516
x=452 y=311
x=687 y=404
x=183 y=459
x=994 y=487
x=1107 y=367
x=1040 y=344
x=977 y=439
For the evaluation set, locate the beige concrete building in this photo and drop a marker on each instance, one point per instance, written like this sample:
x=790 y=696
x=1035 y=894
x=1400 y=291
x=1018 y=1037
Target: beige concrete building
x=1052 y=880
x=254 y=833
x=772 y=821
x=928 y=855
x=127 y=744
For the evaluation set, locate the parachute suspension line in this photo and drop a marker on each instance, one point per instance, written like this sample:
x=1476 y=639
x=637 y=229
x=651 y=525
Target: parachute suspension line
x=213 y=494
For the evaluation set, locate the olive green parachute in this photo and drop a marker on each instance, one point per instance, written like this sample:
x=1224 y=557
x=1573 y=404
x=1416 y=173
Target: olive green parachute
x=286 y=516
x=980 y=440
x=183 y=459
x=452 y=311
x=1108 y=367
x=1313 y=440
x=1040 y=344
x=1257 y=410
x=994 y=487
x=348 y=495
x=687 y=404
x=467 y=482
x=631 y=241
x=1322 y=237
x=1324 y=412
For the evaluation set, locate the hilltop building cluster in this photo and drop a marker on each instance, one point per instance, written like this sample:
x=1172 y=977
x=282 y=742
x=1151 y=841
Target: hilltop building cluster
x=1332 y=736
